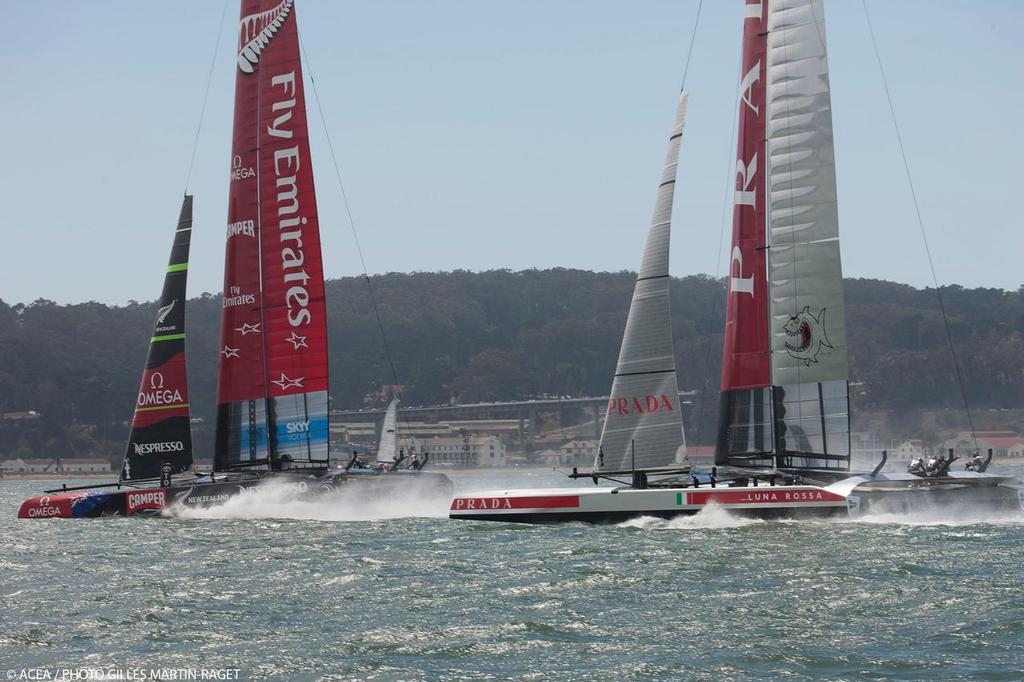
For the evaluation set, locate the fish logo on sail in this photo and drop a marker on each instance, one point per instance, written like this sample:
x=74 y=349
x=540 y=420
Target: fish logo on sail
x=256 y=30
x=164 y=311
x=805 y=336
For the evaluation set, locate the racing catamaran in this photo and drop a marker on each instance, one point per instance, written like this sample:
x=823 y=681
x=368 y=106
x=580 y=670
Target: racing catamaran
x=783 y=444
x=160 y=443
x=272 y=382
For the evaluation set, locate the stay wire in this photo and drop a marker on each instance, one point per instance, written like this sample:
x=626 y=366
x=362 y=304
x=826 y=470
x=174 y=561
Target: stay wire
x=206 y=96
x=682 y=88
x=693 y=38
x=713 y=311
x=920 y=223
x=351 y=221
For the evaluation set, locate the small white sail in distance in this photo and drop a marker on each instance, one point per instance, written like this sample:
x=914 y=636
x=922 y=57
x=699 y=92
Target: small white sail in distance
x=387 y=448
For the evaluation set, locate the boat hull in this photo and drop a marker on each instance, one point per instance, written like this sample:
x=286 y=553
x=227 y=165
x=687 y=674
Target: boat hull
x=853 y=497
x=153 y=501
x=608 y=505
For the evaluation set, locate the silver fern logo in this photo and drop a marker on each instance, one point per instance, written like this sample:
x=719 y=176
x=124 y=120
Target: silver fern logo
x=256 y=30
x=164 y=311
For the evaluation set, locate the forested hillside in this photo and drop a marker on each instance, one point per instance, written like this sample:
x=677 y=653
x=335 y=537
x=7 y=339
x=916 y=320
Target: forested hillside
x=498 y=335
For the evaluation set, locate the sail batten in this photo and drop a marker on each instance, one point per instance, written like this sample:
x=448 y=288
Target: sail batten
x=161 y=434
x=643 y=427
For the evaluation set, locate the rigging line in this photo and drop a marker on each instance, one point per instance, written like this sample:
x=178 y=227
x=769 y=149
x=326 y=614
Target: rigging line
x=351 y=220
x=689 y=51
x=729 y=189
x=206 y=96
x=920 y=224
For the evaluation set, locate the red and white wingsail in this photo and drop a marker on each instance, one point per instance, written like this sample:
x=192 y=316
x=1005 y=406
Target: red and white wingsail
x=272 y=381
x=784 y=371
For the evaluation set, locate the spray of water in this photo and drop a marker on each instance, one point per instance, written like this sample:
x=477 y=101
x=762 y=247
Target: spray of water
x=945 y=515
x=712 y=517
x=353 y=503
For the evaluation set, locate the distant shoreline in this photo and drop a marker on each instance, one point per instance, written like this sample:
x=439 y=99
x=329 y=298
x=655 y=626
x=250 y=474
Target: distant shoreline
x=55 y=476
x=996 y=461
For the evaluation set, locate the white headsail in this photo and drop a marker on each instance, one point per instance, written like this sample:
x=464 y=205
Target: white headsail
x=387 y=447
x=644 y=427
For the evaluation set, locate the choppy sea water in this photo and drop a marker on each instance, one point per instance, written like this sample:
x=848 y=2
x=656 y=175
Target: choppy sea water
x=284 y=590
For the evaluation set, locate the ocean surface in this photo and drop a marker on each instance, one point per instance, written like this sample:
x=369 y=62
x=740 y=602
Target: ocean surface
x=282 y=590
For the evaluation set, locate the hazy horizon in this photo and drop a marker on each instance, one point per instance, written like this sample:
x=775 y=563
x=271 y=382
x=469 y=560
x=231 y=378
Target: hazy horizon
x=482 y=137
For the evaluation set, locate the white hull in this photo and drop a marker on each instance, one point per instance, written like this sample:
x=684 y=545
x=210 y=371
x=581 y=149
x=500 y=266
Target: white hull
x=850 y=497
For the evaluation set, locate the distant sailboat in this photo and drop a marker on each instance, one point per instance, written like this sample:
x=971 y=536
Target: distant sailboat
x=784 y=436
x=387 y=444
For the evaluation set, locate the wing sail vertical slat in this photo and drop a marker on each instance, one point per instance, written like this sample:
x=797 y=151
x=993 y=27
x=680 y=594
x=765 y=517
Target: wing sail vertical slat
x=294 y=309
x=745 y=421
x=241 y=436
x=808 y=317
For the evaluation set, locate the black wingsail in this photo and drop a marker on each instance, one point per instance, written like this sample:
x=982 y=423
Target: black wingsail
x=161 y=437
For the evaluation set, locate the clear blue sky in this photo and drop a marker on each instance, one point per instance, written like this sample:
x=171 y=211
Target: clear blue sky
x=483 y=135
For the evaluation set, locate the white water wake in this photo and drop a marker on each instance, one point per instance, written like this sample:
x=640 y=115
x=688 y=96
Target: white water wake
x=948 y=515
x=272 y=501
x=712 y=517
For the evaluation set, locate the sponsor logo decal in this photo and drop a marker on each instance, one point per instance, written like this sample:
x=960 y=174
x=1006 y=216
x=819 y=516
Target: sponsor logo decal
x=146 y=499
x=256 y=30
x=240 y=172
x=491 y=503
x=805 y=336
x=290 y=221
x=157 y=394
x=42 y=512
x=167 y=446
x=639 y=404
x=45 y=508
x=298 y=427
x=246 y=228
x=162 y=314
x=761 y=496
x=238 y=298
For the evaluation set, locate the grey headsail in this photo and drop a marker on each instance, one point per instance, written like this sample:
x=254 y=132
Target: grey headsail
x=644 y=428
x=161 y=435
